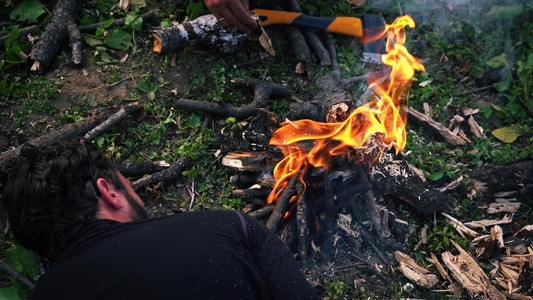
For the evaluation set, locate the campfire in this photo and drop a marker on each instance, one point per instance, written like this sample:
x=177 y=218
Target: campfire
x=318 y=175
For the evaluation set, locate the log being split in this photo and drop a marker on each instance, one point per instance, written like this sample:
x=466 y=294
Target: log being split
x=204 y=31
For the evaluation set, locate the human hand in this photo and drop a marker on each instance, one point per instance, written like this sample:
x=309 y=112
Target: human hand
x=232 y=13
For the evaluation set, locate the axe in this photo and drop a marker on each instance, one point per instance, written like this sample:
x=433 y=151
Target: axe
x=352 y=26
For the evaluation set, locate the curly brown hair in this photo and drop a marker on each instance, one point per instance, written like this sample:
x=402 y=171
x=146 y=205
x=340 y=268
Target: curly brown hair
x=50 y=194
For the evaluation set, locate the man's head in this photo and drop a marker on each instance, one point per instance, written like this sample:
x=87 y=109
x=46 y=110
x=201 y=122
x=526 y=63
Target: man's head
x=51 y=194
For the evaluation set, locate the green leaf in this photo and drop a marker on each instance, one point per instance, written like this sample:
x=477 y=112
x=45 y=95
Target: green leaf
x=500 y=12
x=509 y=134
x=194 y=121
x=28 y=10
x=118 y=39
x=151 y=95
x=9 y=293
x=436 y=176
x=143 y=87
x=134 y=21
x=498 y=61
x=165 y=23
x=92 y=40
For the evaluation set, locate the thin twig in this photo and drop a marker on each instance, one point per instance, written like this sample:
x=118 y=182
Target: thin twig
x=17 y=276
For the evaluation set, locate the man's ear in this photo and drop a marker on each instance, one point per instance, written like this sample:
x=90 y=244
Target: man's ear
x=109 y=195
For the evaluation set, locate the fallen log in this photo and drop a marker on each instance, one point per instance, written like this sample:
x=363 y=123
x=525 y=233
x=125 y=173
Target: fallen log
x=112 y=120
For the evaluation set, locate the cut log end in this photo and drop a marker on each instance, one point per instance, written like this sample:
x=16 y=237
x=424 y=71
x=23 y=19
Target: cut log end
x=158 y=44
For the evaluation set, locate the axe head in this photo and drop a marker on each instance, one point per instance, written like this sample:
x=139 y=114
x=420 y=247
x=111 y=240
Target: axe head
x=372 y=51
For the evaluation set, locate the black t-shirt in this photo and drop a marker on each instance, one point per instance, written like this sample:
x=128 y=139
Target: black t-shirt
x=197 y=255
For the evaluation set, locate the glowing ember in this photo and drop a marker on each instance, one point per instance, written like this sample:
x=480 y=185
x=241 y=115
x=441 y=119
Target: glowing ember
x=307 y=142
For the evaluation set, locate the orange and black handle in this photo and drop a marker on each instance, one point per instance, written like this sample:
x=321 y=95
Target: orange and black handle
x=344 y=25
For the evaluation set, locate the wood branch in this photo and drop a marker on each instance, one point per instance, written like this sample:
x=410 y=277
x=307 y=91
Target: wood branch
x=302 y=221
x=335 y=71
x=435 y=261
x=172 y=173
x=331 y=103
x=460 y=227
x=262 y=212
x=314 y=41
x=203 y=31
x=437 y=127
x=300 y=51
x=129 y=169
x=262 y=92
x=415 y=272
x=22 y=32
x=503 y=205
x=70 y=131
x=250 y=192
x=55 y=32
x=468 y=273
x=112 y=120
x=370 y=202
x=16 y=275
x=282 y=202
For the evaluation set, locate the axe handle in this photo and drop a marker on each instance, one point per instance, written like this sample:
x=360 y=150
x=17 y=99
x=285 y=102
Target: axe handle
x=343 y=25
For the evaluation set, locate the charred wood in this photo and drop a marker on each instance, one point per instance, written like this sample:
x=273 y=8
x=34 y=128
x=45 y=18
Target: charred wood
x=398 y=181
x=262 y=212
x=513 y=176
x=282 y=203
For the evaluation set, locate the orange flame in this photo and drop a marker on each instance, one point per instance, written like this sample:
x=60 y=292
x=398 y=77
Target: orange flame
x=306 y=142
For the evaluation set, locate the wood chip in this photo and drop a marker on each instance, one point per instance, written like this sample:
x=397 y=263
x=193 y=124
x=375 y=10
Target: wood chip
x=460 y=227
x=468 y=273
x=415 y=272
